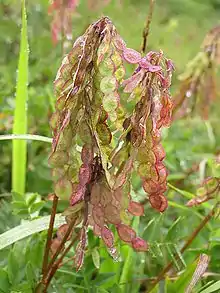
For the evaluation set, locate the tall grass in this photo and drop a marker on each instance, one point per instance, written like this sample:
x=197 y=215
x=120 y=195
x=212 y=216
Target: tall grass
x=19 y=148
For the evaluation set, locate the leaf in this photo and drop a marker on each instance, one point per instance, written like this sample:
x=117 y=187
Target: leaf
x=214 y=287
x=135 y=208
x=36 y=207
x=73 y=209
x=110 y=102
x=104 y=133
x=87 y=154
x=19 y=148
x=30 y=274
x=139 y=244
x=31 y=198
x=13 y=267
x=27 y=229
x=126 y=233
x=182 y=192
x=4 y=284
x=183 y=280
x=131 y=56
x=26 y=137
x=108 y=84
x=63 y=188
x=96 y=258
x=102 y=278
x=107 y=237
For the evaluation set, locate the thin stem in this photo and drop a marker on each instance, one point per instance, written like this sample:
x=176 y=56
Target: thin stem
x=56 y=265
x=49 y=236
x=186 y=245
x=147 y=26
x=26 y=137
x=60 y=247
x=42 y=286
x=62 y=28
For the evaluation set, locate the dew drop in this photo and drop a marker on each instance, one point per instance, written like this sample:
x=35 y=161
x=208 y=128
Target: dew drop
x=188 y=94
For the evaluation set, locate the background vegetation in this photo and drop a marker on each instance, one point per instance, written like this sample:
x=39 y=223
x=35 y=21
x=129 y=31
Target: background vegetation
x=178 y=28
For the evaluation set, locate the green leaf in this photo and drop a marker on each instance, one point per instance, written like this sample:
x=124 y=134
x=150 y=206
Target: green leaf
x=28 y=228
x=184 y=193
x=96 y=258
x=212 y=288
x=31 y=198
x=13 y=267
x=30 y=274
x=183 y=280
x=26 y=137
x=4 y=284
x=103 y=277
x=37 y=206
x=19 y=149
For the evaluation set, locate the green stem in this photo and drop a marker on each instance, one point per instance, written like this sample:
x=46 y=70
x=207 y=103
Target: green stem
x=26 y=137
x=19 y=148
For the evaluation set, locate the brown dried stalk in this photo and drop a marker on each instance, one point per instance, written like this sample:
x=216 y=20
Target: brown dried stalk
x=147 y=26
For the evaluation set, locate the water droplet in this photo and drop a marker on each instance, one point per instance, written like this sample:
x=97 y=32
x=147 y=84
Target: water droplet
x=69 y=37
x=188 y=94
x=114 y=254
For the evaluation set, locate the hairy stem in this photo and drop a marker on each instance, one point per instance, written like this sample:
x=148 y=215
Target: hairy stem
x=185 y=246
x=49 y=236
x=147 y=26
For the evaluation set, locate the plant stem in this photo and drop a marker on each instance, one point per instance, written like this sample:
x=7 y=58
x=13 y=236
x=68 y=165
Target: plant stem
x=147 y=26
x=49 y=235
x=60 y=247
x=186 y=245
x=56 y=265
x=43 y=285
x=26 y=137
x=19 y=148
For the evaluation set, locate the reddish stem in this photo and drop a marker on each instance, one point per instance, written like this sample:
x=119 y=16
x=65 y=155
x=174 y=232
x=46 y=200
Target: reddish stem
x=49 y=235
x=56 y=265
x=60 y=247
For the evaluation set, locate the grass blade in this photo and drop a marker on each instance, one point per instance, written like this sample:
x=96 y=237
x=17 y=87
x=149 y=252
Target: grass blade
x=19 y=148
x=213 y=288
x=26 y=137
x=29 y=228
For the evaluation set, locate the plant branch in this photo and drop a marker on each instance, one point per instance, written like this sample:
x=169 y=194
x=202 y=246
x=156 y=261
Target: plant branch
x=185 y=246
x=49 y=235
x=42 y=286
x=60 y=247
x=56 y=265
x=147 y=26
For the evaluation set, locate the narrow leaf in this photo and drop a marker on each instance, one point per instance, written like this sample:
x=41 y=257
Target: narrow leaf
x=27 y=229
x=20 y=114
